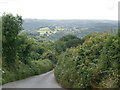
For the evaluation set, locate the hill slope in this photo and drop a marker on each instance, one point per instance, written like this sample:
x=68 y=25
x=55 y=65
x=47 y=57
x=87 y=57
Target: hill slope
x=55 y=29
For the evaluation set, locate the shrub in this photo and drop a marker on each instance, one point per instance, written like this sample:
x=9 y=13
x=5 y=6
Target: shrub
x=22 y=70
x=41 y=66
x=94 y=64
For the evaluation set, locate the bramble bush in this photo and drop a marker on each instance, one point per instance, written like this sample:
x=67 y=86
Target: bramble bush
x=94 y=64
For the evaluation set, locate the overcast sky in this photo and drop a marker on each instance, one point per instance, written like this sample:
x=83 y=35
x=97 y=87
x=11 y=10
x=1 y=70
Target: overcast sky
x=62 y=9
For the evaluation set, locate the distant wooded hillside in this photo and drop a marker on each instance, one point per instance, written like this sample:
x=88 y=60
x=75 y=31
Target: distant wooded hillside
x=55 y=29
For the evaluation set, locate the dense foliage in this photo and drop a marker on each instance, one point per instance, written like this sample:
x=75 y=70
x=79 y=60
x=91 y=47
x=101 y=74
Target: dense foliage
x=94 y=64
x=11 y=26
x=21 y=55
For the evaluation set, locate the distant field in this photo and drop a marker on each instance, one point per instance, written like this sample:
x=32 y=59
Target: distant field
x=47 y=31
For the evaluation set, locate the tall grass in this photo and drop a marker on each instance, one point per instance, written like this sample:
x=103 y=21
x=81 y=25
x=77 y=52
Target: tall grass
x=21 y=70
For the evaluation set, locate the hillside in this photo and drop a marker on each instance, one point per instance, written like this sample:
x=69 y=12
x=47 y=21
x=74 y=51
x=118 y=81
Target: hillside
x=55 y=29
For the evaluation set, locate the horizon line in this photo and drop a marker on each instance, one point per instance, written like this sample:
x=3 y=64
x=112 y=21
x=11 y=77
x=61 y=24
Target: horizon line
x=72 y=19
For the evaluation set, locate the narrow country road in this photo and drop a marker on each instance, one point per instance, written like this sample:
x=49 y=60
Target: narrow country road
x=46 y=80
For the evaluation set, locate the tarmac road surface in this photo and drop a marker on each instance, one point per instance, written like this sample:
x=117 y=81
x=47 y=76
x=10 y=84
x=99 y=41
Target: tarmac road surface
x=46 y=80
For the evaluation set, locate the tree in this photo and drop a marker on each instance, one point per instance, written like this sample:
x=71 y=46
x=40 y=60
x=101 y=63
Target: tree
x=11 y=26
x=60 y=46
x=71 y=40
x=68 y=37
x=24 y=49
